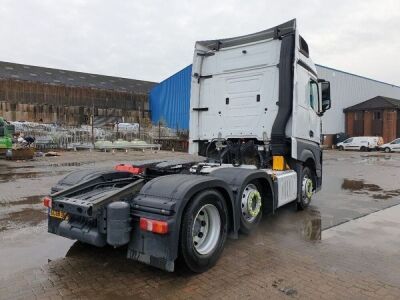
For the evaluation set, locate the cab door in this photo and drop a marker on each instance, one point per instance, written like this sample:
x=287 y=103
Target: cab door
x=306 y=122
x=315 y=123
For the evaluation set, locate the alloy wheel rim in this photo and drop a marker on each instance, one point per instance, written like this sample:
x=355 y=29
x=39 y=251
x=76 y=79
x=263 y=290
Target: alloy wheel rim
x=307 y=189
x=251 y=203
x=206 y=229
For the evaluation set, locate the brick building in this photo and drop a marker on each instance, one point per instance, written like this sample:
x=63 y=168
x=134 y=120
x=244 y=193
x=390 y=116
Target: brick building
x=379 y=116
x=38 y=94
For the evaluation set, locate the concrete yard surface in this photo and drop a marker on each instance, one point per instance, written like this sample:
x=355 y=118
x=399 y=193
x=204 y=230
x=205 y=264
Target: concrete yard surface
x=346 y=245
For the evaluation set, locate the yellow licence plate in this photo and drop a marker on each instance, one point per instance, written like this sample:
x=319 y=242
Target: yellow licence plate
x=58 y=214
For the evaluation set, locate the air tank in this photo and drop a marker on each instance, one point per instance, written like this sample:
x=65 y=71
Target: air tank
x=118 y=223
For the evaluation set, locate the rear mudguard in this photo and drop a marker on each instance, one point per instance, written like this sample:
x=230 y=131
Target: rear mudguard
x=165 y=198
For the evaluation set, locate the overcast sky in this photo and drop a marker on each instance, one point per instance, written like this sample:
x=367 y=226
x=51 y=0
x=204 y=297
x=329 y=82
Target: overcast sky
x=152 y=39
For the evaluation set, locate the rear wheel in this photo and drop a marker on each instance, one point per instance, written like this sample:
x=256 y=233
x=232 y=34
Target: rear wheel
x=251 y=210
x=387 y=150
x=363 y=149
x=307 y=189
x=204 y=231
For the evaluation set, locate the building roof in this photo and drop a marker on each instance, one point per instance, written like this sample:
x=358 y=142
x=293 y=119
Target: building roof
x=378 y=102
x=71 y=78
x=355 y=75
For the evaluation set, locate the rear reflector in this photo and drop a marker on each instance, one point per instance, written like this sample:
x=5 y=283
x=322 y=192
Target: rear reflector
x=155 y=226
x=128 y=168
x=47 y=202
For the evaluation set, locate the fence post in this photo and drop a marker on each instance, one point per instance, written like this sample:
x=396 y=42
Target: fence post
x=159 y=131
x=118 y=135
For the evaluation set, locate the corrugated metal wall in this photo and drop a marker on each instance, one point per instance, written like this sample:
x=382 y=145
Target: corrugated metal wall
x=347 y=90
x=31 y=92
x=36 y=101
x=170 y=100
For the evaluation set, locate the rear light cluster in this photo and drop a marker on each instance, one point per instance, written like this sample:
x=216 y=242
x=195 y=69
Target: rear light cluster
x=47 y=201
x=160 y=227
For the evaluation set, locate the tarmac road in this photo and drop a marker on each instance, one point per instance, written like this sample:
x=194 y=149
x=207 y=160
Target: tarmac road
x=346 y=245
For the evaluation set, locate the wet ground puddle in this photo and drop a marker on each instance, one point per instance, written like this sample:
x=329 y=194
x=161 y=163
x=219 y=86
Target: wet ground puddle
x=29 y=215
x=373 y=190
x=8 y=177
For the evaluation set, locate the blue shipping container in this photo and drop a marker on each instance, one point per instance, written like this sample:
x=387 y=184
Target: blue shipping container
x=170 y=100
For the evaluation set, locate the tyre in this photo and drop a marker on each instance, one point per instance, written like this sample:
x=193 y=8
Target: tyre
x=203 y=231
x=363 y=149
x=307 y=189
x=387 y=150
x=251 y=207
x=341 y=148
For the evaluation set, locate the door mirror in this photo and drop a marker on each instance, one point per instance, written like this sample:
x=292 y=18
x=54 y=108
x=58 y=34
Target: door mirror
x=326 y=96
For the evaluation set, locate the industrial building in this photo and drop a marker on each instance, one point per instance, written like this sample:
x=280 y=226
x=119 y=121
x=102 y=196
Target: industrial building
x=38 y=94
x=379 y=116
x=347 y=90
x=169 y=100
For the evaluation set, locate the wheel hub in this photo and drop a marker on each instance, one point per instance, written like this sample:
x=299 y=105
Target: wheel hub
x=251 y=203
x=206 y=229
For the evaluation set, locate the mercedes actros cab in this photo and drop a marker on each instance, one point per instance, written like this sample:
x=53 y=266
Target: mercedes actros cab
x=255 y=129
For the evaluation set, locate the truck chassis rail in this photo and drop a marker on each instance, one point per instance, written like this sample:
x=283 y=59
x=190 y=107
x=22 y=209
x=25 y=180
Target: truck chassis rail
x=89 y=207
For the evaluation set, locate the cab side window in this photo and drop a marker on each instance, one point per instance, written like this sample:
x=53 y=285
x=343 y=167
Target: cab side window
x=314 y=95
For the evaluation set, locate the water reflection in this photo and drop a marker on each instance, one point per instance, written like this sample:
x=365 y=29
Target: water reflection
x=357 y=185
x=10 y=177
x=373 y=190
x=377 y=157
x=311 y=227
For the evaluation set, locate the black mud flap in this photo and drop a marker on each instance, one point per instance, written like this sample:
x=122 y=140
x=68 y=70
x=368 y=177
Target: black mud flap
x=152 y=249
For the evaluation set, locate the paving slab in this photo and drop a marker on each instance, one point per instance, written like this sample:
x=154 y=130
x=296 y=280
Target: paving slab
x=344 y=246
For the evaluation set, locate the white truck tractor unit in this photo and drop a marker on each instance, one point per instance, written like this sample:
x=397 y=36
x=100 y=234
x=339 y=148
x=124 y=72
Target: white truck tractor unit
x=255 y=129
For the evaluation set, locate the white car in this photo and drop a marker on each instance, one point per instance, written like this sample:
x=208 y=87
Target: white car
x=362 y=143
x=393 y=146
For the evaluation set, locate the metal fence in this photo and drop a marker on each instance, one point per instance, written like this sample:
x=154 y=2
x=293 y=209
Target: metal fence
x=51 y=136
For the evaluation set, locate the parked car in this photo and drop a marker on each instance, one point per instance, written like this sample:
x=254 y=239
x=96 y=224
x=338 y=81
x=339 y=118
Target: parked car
x=393 y=146
x=362 y=143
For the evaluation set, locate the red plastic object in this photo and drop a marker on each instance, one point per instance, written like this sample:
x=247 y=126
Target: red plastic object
x=47 y=201
x=129 y=168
